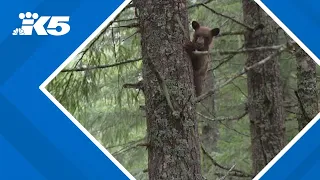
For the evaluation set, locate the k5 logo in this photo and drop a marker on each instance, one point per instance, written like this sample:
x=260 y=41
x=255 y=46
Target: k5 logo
x=55 y=23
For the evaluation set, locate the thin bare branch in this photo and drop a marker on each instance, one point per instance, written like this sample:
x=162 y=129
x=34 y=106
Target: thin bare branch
x=212 y=91
x=101 y=66
x=215 y=163
x=228 y=17
x=124 y=20
x=231 y=118
x=232 y=33
x=244 y=50
x=135 y=33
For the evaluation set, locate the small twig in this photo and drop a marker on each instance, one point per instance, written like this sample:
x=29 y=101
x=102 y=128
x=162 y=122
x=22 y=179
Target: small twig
x=212 y=91
x=124 y=20
x=147 y=145
x=226 y=175
x=234 y=84
x=229 y=58
x=234 y=130
x=138 y=85
x=164 y=88
x=231 y=33
x=136 y=97
x=130 y=36
x=292 y=112
x=223 y=24
x=133 y=25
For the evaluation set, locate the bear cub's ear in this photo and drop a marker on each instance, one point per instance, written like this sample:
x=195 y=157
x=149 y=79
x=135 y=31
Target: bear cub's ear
x=195 y=25
x=215 y=32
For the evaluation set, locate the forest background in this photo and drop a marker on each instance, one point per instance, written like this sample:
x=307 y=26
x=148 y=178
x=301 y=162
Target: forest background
x=101 y=88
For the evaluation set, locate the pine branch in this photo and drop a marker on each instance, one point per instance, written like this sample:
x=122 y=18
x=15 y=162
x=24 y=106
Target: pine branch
x=98 y=37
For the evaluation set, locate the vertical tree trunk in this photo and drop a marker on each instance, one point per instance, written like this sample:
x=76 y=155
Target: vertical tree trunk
x=307 y=88
x=210 y=132
x=173 y=150
x=265 y=96
x=207 y=106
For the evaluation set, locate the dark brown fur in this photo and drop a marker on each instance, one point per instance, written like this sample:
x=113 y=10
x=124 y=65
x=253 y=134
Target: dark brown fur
x=202 y=39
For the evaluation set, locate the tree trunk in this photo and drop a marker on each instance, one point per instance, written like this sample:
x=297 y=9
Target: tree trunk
x=307 y=88
x=210 y=131
x=173 y=141
x=265 y=96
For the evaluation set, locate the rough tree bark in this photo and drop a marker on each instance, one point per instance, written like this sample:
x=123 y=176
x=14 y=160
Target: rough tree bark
x=265 y=96
x=307 y=88
x=173 y=141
